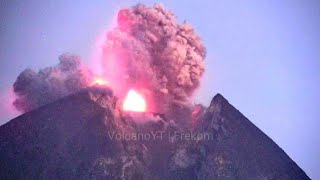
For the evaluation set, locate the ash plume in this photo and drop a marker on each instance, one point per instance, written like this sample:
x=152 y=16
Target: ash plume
x=148 y=50
x=34 y=89
x=155 y=53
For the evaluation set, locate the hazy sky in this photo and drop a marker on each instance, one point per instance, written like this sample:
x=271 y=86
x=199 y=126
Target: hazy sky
x=263 y=56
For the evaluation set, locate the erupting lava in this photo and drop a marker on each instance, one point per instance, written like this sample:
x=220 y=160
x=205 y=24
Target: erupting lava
x=134 y=102
x=99 y=81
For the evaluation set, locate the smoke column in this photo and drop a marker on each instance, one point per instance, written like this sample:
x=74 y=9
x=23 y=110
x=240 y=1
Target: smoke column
x=147 y=50
x=150 y=51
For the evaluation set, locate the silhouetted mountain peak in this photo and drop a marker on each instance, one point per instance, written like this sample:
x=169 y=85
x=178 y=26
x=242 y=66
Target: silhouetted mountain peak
x=218 y=98
x=75 y=138
x=218 y=102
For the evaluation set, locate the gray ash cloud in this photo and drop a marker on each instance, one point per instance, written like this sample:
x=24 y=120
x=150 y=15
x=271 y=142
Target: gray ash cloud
x=156 y=52
x=147 y=50
x=34 y=89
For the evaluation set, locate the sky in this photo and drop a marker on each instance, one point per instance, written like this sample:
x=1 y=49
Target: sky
x=263 y=56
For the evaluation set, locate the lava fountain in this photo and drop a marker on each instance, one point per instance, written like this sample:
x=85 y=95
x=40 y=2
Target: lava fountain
x=99 y=81
x=134 y=102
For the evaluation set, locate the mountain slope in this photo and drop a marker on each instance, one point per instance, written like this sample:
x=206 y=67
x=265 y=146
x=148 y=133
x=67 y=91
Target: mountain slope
x=70 y=139
x=241 y=148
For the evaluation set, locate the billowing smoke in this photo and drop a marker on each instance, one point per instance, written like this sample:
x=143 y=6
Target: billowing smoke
x=147 y=51
x=150 y=51
x=34 y=89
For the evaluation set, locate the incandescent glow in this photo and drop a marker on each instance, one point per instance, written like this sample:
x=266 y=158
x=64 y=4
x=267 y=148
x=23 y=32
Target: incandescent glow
x=99 y=81
x=134 y=102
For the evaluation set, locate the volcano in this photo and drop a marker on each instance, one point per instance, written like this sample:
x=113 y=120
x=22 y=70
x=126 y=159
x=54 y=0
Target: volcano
x=83 y=136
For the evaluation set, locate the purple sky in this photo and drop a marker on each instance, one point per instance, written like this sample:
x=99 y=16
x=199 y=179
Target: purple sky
x=263 y=56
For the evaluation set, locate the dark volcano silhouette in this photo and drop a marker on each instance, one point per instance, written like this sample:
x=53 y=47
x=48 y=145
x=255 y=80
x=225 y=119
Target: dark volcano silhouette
x=70 y=139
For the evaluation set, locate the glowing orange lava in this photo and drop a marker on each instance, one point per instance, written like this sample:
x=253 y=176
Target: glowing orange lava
x=99 y=81
x=134 y=102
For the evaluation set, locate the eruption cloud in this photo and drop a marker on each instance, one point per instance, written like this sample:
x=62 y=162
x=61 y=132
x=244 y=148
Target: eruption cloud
x=49 y=84
x=150 y=51
x=147 y=50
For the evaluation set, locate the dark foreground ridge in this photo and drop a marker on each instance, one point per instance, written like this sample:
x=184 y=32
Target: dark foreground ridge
x=72 y=139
